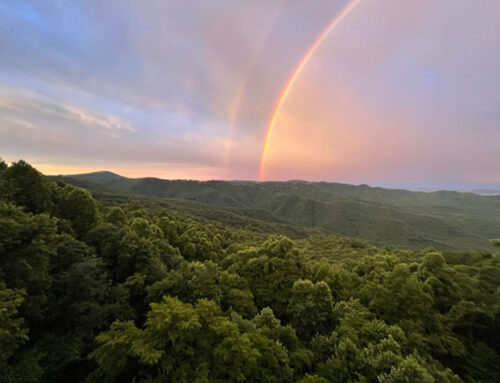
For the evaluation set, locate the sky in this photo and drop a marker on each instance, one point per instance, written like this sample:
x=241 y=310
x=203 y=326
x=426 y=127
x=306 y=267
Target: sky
x=399 y=93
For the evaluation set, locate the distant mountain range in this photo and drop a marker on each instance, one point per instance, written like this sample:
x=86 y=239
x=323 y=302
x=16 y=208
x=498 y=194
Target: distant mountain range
x=486 y=191
x=443 y=219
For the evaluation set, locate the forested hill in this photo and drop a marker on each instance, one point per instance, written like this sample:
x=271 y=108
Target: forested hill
x=443 y=219
x=120 y=289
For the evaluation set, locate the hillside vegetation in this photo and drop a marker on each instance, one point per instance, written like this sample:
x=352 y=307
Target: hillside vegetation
x=443 y=219
x=121 y=289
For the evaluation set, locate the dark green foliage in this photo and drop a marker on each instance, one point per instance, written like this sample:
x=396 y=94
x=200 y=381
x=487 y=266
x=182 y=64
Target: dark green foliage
x=80 y=209
x=185 y=343
x=27 y=242
x=271 y=272
x=26 y=187
x=140 y=291
x=12 y=333
x=311 y=308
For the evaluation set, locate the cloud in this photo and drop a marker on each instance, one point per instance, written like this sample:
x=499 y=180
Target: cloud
x=400 y=90
x=36 y=108
x=31 y=124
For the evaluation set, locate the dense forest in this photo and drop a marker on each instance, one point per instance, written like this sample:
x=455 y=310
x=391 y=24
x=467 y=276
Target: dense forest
x=125 y=289
x=446 y=220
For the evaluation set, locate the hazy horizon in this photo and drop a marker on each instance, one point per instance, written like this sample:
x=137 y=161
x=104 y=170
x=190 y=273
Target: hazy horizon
x=484 y=189
x=396 y=94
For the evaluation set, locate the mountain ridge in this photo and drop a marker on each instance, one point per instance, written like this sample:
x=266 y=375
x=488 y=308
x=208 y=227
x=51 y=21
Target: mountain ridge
x=444 y=219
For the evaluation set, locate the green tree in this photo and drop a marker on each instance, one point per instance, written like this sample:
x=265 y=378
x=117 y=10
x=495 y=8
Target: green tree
x=179 y=343
x=27 y=243
x=407 y=371
x=235 y=294
x=80 y=209
x=313 y=379
x=271 y=272
x=311 y=308
x=27 y=187
x=12 y=333
x=140 y=251
x=441 y=278
x=190 y=282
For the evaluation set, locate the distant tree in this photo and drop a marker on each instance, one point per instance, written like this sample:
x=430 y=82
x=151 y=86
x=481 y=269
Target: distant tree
x=3 y=165
x=496 y=242
x=5 y=187
x=116 y=216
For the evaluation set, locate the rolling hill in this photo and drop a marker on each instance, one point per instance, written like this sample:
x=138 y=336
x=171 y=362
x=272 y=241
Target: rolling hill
x=443 y=219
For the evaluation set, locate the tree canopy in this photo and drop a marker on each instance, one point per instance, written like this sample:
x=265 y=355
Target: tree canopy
x=113 y=289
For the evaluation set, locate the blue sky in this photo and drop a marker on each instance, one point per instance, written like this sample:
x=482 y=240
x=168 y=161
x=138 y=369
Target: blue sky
x=401 y=93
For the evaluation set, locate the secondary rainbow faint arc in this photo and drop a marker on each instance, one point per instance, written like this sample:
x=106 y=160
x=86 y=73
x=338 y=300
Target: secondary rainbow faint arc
x=243 y=84
x=295 y=74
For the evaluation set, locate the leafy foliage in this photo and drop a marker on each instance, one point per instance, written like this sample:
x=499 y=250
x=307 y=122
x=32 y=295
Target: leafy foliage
x=114 y=290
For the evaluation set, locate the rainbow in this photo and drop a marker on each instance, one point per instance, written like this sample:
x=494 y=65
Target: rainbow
x=295 y=74
x=243 y=84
